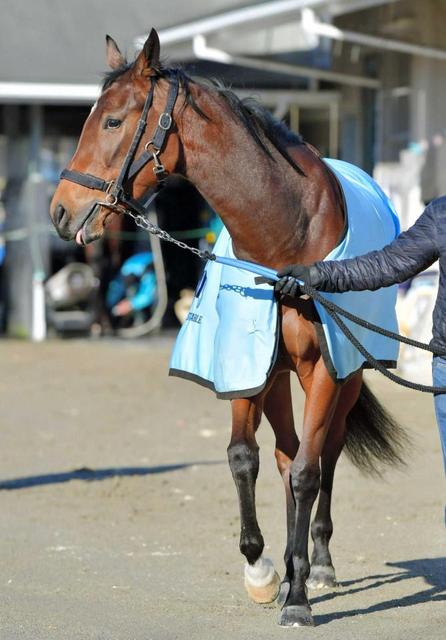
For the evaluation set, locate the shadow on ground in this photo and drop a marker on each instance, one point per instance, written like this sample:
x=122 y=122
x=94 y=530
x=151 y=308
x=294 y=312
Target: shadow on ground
x=432 y=570
x=92 y=475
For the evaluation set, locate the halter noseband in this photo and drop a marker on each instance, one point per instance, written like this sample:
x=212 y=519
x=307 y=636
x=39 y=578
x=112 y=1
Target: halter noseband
x=116 y=196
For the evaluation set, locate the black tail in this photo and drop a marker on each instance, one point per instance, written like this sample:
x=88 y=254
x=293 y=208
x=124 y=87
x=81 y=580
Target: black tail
x=373 y=437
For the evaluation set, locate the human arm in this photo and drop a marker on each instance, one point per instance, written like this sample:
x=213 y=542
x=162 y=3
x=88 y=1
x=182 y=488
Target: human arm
x=412 y=252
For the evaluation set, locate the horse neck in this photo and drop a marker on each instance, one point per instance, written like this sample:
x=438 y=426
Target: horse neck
x=273 y=214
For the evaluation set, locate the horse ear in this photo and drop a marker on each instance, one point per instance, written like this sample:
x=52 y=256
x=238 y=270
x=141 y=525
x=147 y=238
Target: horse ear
x=148 y=61
x=115 y=59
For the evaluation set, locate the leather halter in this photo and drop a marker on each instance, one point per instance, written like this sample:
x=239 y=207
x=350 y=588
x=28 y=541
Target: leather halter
x=116 y=195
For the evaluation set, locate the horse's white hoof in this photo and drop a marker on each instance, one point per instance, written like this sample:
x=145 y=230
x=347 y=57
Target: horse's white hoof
x=261 y=581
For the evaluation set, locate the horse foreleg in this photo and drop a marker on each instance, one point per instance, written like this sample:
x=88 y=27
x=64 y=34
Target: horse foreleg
x=322 y=572
x=321 y=397
x=278 y=409
x=261 y=580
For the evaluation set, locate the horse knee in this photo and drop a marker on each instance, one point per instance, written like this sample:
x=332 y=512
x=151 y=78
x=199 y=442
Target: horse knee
x=305 y=481
x=243 y=462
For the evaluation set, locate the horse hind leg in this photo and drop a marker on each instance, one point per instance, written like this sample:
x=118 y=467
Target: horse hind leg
x=322 y=572
x=261 y=580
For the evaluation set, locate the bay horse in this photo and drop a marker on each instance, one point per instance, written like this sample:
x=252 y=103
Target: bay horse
x=281 y=204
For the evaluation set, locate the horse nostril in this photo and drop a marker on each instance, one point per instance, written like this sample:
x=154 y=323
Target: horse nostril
x=59 y=214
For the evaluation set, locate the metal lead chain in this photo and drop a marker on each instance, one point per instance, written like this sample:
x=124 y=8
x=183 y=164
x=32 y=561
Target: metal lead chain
x=145 y=224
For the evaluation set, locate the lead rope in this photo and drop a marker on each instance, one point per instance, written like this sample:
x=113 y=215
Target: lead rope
x=334 y=312
x=332 y=309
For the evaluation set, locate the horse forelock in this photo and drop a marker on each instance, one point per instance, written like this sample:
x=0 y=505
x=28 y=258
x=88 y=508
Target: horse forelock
x=111 y=76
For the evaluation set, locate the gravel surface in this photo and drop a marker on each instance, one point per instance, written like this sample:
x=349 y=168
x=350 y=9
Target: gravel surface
x=120 y=517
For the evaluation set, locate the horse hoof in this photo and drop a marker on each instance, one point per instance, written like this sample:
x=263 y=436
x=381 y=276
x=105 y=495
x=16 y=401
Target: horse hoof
x=322 y=577
x=296 y=616
x=261 y=581
x=283 y=592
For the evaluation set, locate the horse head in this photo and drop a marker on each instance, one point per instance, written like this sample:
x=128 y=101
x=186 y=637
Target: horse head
x=79 y=208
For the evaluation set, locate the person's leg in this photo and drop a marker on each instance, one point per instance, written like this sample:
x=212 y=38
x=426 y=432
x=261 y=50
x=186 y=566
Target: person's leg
x=439 y=378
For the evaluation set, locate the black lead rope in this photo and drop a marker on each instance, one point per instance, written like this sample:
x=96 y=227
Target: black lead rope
x=334 y=312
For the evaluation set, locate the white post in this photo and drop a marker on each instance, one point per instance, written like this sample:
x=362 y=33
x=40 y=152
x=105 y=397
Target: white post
x=38 y=323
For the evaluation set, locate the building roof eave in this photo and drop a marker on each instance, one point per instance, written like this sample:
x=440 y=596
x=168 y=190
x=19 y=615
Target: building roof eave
x=48 y=92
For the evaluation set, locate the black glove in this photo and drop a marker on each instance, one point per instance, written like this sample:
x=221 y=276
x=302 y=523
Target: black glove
x=288 y=285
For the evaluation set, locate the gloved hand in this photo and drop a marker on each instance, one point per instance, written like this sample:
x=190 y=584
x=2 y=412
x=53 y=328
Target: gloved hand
x=287 y=285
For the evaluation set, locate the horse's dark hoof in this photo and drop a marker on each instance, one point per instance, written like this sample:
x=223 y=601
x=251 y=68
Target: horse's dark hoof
x=296 y=616
x=283 y=592
x=322 y=577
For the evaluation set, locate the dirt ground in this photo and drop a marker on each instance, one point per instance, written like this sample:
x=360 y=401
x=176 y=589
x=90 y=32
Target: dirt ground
x=120 y=519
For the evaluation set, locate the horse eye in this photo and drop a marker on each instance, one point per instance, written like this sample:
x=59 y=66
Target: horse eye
x=112 y=123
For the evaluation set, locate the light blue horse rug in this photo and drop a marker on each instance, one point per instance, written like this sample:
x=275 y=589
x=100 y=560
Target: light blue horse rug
x=229 y=340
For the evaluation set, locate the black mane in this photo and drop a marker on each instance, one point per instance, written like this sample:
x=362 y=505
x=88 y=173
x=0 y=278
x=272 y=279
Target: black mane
x=255 y=118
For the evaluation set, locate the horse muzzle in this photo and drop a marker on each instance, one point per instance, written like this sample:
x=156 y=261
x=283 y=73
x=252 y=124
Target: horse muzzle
x=82 y=228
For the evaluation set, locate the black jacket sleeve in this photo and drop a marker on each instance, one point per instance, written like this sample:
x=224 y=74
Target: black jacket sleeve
x=412 y=252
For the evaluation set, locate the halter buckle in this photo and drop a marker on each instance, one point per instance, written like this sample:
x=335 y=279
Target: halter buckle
x=165 y=121
x=111 y=200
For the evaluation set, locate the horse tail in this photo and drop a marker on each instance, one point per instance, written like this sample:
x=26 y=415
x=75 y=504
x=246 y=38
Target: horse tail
x=373 y=437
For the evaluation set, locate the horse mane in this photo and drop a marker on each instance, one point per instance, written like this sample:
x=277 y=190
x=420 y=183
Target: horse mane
x=254 y=117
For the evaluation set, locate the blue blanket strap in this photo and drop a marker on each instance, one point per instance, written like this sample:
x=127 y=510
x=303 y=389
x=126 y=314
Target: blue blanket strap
x=264 y=272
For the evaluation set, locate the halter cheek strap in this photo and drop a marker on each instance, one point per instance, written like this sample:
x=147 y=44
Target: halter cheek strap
x=158 y=139
x=114 y=189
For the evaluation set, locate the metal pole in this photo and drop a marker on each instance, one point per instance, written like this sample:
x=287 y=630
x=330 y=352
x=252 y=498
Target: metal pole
x=334 y=33
x=264 y=11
